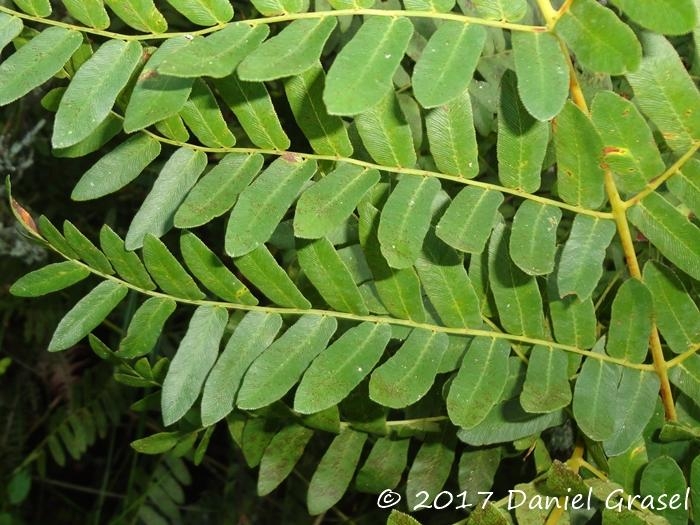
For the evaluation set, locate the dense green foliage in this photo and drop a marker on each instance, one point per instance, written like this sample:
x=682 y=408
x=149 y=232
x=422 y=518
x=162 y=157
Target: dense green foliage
x=392 y=246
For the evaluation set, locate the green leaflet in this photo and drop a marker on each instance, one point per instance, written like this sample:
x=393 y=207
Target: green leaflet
x=452 y=137
x=167 y=271
x=87 y=314
x=327 y=420
x=480 y=381
x=204 y=12
x=408 y=375
x=280 y=7
x=405 y=219
x=631 y=321
x=261 y=269
x=441 y=6
x=193 y=359
x=601 y=41
x=173 y=128
x=329 y=275
x=202 y=115
x=629 y=146
x=671 y=17
x=488 y=513
x=412 y=112
x=41 y=8
x=675 y=312
x=90 y=12
x=55 y=238
x=326 y=133
x=93 y=91
x=292 y=51
x=533 y=242
x=142 y=15
x=695 y=486
x=254 y=438
x=155 y=96
x=87 y=251
x=522 y=141
x=216 y=192
x=626 y=467
x=399 y=518
x=506 y=10
x=640 y=390
x=280 y=456
x=146 y=326
x=126 y=263
x=516 y=294
x=478 y=273
x=361 y=73
x=685 y=185
x=324 y=207
x=50 y=278
x=476 y=472
x=107 y=129
x=262 y=205
x=543 y=73
x=211 y=272
x=581 y=267
x=156 y=443
x=447 y=285
x=467 y=222
x=546 y=386
x=447 y=63
x=175 y=179
x=117 y=168
x=595 y=397
x=686 y=376
x=385 y=133
x=278 y=369
x=253 y=108
x=663 y=477
x=669 y=230
x=578 y=147
x=10 y=27
x=399 y=290
x=341 y=367
x=36 y=62
x=351 y=4
x=335 y=471
x=384 y=466
x=573 y=319
x=252 y=336
x=224 y=51
x=430 y=469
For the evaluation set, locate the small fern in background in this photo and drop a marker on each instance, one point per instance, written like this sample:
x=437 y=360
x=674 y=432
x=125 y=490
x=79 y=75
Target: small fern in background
x=444 y=248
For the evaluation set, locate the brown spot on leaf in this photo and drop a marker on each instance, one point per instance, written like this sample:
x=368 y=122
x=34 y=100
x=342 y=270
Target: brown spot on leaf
x=607 y=150
x=24 y=217
x=291 y=157
x=149 y=73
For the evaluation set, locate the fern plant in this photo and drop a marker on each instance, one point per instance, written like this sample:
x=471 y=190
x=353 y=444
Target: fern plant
x=438 y=233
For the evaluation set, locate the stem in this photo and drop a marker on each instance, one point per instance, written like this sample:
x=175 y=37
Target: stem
x=618 y=211
x=657 y=354
x=282 y=18
x=682 y=357
x=574 y=86
x=658 y=181
x=474 y=332
x=392 y=169
x=548 y=13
